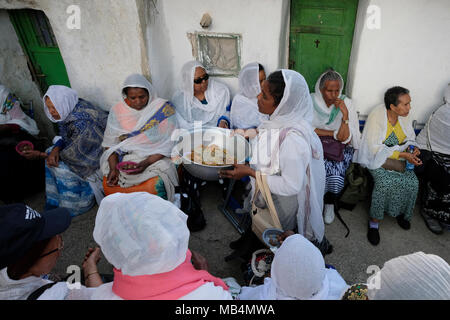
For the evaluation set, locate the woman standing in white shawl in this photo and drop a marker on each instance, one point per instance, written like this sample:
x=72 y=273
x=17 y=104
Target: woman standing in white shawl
x=244 y=108
x=387 y=134
x=297 y=272
x=16 y=171
x=139 y=130
x=434 y=144
x=335 y=117
x=201 y=99
x=289 y=152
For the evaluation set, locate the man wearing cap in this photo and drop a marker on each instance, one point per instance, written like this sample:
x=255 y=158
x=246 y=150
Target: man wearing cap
x=30 y=245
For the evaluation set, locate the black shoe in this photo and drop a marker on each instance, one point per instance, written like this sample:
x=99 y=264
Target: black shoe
x=244 y=237
x=196 y=221
x=245 y=250
x=373 y=236
x=403 y=223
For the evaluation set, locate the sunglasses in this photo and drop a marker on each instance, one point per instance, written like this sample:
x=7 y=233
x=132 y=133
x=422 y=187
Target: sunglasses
x=200 y=80
x=54 y=250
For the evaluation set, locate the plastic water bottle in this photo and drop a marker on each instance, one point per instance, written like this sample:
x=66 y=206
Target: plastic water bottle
x=409 y=165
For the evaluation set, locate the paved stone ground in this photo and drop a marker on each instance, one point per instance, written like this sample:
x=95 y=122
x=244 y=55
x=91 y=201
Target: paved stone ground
x=351 y=255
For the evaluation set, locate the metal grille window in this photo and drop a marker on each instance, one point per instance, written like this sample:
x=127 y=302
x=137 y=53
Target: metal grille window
x=219 y=53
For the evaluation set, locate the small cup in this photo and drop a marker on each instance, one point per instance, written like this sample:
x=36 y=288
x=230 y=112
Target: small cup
x=120 y=166
x=24 y=144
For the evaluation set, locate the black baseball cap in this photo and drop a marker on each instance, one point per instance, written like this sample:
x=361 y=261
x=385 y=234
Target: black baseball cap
x=22 y=226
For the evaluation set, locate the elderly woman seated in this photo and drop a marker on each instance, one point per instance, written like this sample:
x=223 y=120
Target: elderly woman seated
x=200 y=102
x=336 y=123
x=434 y=175
x=201 y=99
x=73 y=178
x=146 y=239
x=386 y=137
x=138 y=135
x=16 y=171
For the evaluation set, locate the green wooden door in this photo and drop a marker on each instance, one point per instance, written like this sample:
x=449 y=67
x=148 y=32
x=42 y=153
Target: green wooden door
x=38 y=41
x=321 y=35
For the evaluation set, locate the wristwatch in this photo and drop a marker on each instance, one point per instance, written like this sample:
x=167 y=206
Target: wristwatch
x=345 y=121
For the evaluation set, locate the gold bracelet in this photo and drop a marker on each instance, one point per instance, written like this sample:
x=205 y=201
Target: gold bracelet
x=91 y=274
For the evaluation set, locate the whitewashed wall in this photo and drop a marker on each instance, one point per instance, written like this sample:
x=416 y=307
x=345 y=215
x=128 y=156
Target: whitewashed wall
x=108 y=47
x=15 y=75
x=261 y=24
x=411 y=49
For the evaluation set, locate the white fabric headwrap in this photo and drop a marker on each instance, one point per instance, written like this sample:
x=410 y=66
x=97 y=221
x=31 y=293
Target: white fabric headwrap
x=16 y=115
x=141 y=234
x=244 y=108
x=123 y=119
x=439 y=128
x=190 y=109
x=64 y=99
x=416 y=276
x=373 y=152
x=295 y=112
x=321 y=117
x=297 y=273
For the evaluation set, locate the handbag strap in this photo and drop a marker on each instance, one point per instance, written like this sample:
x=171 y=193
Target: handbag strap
x=261 y=180
x=428 y=133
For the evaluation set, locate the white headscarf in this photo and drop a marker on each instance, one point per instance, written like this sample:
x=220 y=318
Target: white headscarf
x=297 y=273
x=322 y=114
x=438 y=128
x=141 y=234
x=16 y=115
x=244 y=108
x=124 y=120
x=373 y=152
x=416 y=276
x=190 y=109
x=64 y=99
x=295 y=112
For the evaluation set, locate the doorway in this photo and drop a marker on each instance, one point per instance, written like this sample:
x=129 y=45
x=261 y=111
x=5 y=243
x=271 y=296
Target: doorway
x=41 y=49
x=321 y=35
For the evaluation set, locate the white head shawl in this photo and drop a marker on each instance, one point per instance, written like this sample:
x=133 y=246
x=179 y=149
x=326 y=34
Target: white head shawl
x=190 y=109
x=244 y=108
x=416 y=276
x=124 y=120
x=295 y=112
x=16 y=115
x=297 y=273
x=322 y=114
x=64 y=99
x=141 y=234
x=438 y=127
x=373 y=152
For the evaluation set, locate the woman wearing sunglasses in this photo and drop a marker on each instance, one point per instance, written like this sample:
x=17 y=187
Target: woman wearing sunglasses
x=201 y=99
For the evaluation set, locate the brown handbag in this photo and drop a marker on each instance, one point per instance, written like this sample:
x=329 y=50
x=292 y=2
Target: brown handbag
x=394 y=165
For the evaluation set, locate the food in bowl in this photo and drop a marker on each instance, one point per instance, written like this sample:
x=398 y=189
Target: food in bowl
x=24 y=146
x=211 y=155
x=270 y=237
x=127 y=166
